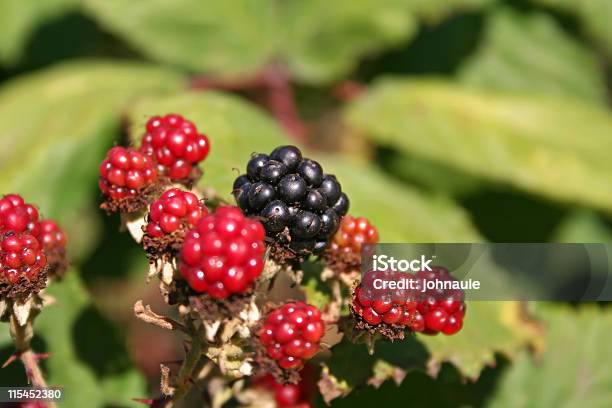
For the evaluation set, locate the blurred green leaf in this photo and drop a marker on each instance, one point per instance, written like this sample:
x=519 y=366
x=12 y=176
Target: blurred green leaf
x=594 y=16
x=319 y=40
x=237 y=129
x=583 y=226
x=488 y=328
x=574 y=370
x=322 y=40
x=230 y=36
x=530 y=142
x=431 y=176
x=532 y=53
x=55 y=126
x=18 y=19
x=88 y=357
x=434 y=10
x=401 y=213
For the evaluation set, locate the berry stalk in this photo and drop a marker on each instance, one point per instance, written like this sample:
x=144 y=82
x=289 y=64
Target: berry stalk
x=184 y=381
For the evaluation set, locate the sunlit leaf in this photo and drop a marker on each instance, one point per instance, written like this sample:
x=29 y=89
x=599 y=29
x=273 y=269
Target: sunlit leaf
x=532 y=53
x=532 y=142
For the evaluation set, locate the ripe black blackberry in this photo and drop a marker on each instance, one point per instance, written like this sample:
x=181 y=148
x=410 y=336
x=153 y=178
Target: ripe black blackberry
x=299 y=205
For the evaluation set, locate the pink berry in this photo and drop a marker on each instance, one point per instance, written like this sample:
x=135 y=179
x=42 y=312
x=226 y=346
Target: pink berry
x=21 y=255
x=292 y=334
x=17 y=216
x=223 y=257
x=175 y=144
x=172 y=210
x=125 y=172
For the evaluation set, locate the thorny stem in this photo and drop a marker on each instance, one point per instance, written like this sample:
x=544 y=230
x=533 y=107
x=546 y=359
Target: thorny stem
x=184 y=380
x=21 y=337
x=30 y=361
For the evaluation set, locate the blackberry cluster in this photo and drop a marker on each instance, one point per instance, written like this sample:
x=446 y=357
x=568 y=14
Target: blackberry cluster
x=344 y=251
x=22 y=264
x=223 y=255
x=291 y=334
x=175 y=144
x=127 y=177
x=53 y=240
x=441 y=310
x=286 y=395
x=431 y=312
x=388 y=316
x=299 y=205
x=17 y=216
x=172 y=210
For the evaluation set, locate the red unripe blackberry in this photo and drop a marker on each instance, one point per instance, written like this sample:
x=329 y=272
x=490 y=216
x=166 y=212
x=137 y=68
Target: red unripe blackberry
x=51 y=237
x=291 y=334
x=53 y=241
x=352 y=234
x=172 y=210
x=440 y=311
x=21 y=256
x=374 y=312
x=18 y=216
x=223 y=255
x=287 y=394
x=174 y=143
x=125 y=172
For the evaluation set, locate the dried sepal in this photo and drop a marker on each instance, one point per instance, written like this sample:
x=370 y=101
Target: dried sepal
x=134 y=223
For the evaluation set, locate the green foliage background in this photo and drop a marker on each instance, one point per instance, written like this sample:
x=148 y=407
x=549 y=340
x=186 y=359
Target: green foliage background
x=478 y=120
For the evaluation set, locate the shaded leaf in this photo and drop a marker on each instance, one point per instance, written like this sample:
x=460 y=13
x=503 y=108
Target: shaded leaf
x=434 y=10
x=583 y=226
x=594 y=16
x=319 y=40
x=55 y=126
x=219 y=36
x=323 y=40
x=401 y=213
x=108 y=378
x=18 y=19
x=574 y=370
x=488 y=328
x=528 y=141
x=531 y=53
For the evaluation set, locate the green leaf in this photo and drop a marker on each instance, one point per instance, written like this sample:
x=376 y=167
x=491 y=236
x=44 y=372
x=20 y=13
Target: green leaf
x=18 y=19
x=574 y=370
x=435 y=10
x=583 y=226
x=527 y=141
x=532 y=53
x=594 y=16
x=88 y=356
x=323 y=40
x=55 y=126
x=488 y=328
x=237 y=129
x=319 y=40
x=220 y=36
x=431 y=176
x=401 y=213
